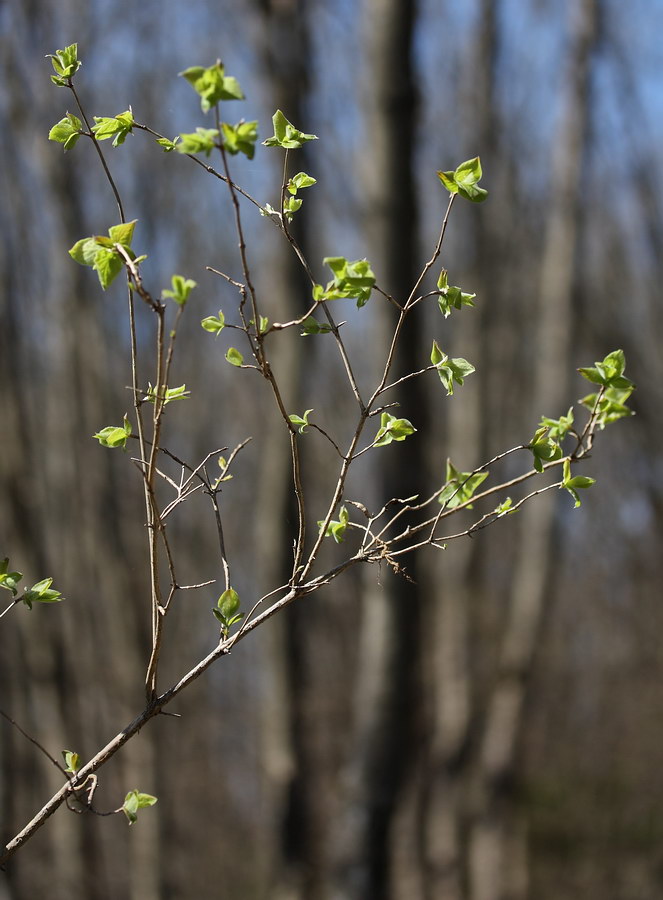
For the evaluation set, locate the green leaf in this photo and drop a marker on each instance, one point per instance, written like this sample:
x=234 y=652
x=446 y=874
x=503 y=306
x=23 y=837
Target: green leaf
x=451 y=297
x=290 y=206
x=351 y=279
x=72 y=761
x=212 y=85
x=176 y=393
x=202 y=140
x=311 y=325
x=301 y=421
x=65 y=63
x=558 y=428
x=67 y=131
x=41 y=593
x=544 y=448
x=182 y=287
x=299 y=181
x=392 y=429
x=123 y=233
x=336 y=528
x=114 y=435
x=134 y=801
x=286 y=135
x=228 y=603
x=99 y=251
x=240 y=138
x=214 y=324
x=107 y=264
x=223 y=465
x=464 y=180
x=578 y=482
x=609 y=372
x=168 y=145
x=226 y=610
x=9 y=580
x=450 y=370
x=234 y=357
x=612 y=405
x=505 y=508
x=459 y=486
x=116 y=127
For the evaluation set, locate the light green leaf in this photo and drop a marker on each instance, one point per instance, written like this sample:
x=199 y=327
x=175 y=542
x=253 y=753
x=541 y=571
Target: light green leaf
x=117 y=127
x=336 y=528
x=240 y=138
x=202 y=140
x=214 y=324
x=234 y=357
x=392 y=429
x=72 y=761
x=67 y=131
x=301 y=421
x=182 y=287
x=286 y=135
x=299 y=181
x=459 y=486
x=134 y=801
x=65 y=63
x=212 y=85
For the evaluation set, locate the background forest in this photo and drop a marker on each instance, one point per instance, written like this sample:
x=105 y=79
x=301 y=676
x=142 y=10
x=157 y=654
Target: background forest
x=493 y=731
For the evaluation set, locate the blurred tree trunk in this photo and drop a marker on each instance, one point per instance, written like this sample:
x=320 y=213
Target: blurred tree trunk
x=293 y=773
x=375 y=833
x=494 y=872
x=452 y=578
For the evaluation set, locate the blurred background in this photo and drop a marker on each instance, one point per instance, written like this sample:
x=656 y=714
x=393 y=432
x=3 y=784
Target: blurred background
x=490 y=732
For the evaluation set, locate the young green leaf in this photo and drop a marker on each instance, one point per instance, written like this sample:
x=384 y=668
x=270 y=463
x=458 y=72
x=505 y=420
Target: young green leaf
x=67 y=131
x=459 y=486
x=301 y=421
x=451 y=297
x=214 y=324
x=544 y=448
x=336 y=528
x=578 y=482
x=114 y=435
x=182 y=287
x=100 y=254
x=464 y=180
x=176 y=393
x=212 y=85
x=65 y=63
x=234 y=357
x=299 y=181
x=202 y=140
x=612 y=405
x=450 y=370
x=558 y=428
x=286 y=135
x=505 y=508
x=134 y=801
x=351 y=279
x=117 y=127
x=609 y=372
x=41 y=593
x=240 y=138
x=226 y=610
x=72 y=761
x=310 y=325
x=168 y=145
x=392 y=429
x=9 y=580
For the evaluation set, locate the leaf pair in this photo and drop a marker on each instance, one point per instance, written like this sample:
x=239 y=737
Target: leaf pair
x=351 y=279
x=450 y=370
x=460 y=486
x=226 y=610
x=42 y=592
x=212 y=85
x=286 y=135
x=464 y=180
x=100 y=252
x=392 y=429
